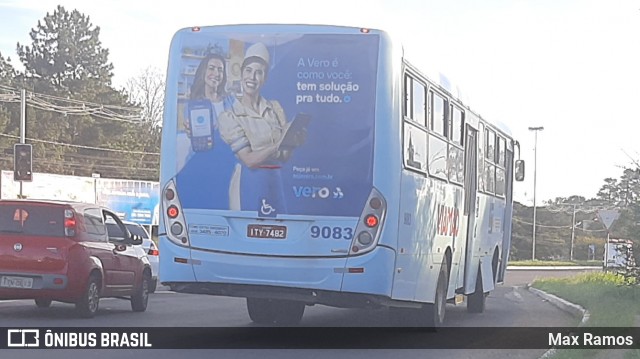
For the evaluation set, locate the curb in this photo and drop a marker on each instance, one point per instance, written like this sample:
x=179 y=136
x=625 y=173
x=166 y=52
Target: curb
x=553 y=268
x=571 y=308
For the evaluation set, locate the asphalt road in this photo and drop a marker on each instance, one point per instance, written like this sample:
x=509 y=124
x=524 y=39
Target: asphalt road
x=510 y=305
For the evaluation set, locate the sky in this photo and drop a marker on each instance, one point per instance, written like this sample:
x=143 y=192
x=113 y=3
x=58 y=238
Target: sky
x=570 y=66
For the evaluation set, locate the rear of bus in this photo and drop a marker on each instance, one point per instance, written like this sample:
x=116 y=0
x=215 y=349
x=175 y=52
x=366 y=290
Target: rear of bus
x=304 y=227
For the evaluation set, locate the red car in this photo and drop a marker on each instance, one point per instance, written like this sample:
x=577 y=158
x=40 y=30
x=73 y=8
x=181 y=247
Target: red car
x=64 y=251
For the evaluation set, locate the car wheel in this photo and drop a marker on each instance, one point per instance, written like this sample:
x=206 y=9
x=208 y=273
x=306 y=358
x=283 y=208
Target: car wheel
x=153 y=284
x=43 y=302
x=88 y=305
x=140 y=298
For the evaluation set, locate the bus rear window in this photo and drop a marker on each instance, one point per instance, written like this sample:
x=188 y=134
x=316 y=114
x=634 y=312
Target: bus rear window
x=32 y=220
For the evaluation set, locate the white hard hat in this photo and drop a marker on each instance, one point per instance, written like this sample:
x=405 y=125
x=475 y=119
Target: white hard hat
x=258 y=50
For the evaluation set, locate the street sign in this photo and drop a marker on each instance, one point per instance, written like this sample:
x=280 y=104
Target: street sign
x=608 y=217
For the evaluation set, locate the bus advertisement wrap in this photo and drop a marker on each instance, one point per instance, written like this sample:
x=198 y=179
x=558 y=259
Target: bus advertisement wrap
x=292 y=133
x=131 y=200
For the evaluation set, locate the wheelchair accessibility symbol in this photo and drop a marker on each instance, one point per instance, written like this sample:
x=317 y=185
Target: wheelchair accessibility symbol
x=266 y=209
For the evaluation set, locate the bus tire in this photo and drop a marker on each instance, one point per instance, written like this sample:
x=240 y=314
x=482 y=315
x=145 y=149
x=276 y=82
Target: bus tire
x=43 y=302
x=271 y=311
x=432 y=315
x=476 y=301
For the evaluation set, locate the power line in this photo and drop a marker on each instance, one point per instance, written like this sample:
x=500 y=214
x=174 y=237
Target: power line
x=540 y=225
x=15 y=91
x=73 y=107
x=81 y=146
x=557 y=227
x=82 y=165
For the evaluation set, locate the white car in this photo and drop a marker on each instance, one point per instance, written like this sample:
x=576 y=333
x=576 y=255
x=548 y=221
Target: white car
x=150 y=248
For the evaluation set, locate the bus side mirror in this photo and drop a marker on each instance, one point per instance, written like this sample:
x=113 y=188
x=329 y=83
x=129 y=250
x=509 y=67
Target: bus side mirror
x=519 y=170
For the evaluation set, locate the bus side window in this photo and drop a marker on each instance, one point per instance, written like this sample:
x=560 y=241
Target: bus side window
x=438 y=114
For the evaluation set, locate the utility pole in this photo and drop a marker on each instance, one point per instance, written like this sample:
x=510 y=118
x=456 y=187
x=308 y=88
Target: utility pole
x=573 y=231
x=535 y=165
x=23 y=123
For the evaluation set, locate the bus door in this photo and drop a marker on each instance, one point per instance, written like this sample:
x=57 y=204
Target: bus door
x=508 y=212
x=470 y=194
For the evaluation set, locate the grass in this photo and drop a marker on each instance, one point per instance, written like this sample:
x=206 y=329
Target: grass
x=610 y=300
x=606 y=296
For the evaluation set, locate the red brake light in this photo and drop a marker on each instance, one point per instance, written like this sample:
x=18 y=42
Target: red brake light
x=172 y=211
x=371 y=221
x=69 y=223
x=154 y=252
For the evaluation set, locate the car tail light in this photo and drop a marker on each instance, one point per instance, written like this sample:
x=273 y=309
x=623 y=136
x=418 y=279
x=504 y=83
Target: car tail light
x=69 y=223
x=153 y=250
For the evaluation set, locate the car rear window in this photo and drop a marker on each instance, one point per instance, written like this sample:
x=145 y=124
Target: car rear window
x=32 y=220
x=114 y=231
x=137 y=230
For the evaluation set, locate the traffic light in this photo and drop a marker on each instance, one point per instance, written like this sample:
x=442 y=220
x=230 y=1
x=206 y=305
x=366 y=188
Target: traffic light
x=22 y=162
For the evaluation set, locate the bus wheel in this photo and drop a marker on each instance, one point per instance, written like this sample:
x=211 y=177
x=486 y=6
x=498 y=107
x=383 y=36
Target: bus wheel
x=433 y=314
x=271 y=311
x=43 y=302
x=476 y=301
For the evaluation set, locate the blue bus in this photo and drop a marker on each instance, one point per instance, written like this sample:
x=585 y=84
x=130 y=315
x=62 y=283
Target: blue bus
x=311 y=164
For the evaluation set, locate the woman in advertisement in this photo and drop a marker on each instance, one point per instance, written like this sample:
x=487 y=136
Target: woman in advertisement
x=209 y=157
x=254 y=128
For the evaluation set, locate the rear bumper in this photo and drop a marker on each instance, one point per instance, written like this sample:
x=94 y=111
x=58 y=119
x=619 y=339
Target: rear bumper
x=308 y=296
x=52 y=286
x=359 y=281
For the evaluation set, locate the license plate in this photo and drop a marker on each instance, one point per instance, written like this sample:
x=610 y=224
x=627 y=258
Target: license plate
x=16 y=282
x=263 y=231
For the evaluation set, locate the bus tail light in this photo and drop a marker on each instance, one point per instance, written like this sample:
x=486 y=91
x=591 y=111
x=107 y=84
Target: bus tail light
x=173 y=218
x=371 y=220
x=370 y=224
x=169 y=194
x=173 y=211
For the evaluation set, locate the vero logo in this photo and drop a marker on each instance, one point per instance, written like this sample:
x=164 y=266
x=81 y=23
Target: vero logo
x=316 y=192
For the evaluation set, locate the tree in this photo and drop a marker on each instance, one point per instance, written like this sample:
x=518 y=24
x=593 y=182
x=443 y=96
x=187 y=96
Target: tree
x=67 y=53
x=609 y=191
x=629 y=187
x=8 y=109
x=73 y=108
x=147 y=91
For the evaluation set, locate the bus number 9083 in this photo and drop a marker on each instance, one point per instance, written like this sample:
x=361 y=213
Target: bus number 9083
x=327 y=232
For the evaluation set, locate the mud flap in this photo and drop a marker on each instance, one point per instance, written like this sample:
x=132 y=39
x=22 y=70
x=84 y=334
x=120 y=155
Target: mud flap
x=487 y=274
